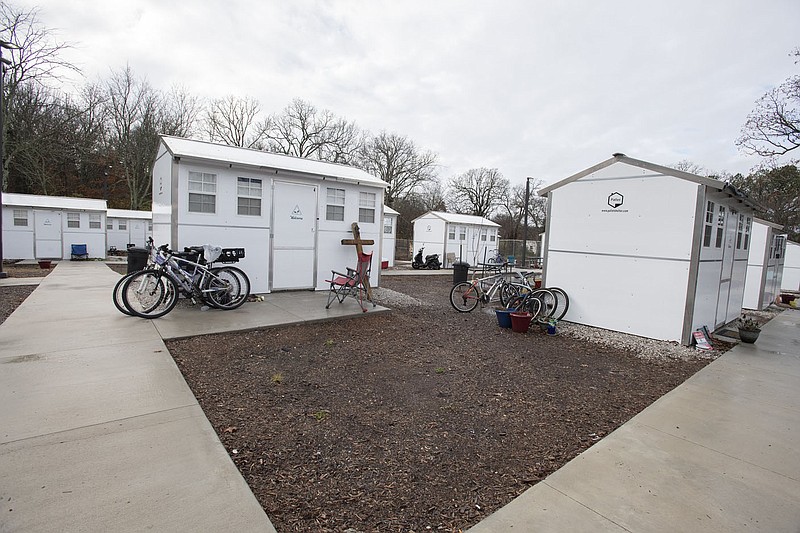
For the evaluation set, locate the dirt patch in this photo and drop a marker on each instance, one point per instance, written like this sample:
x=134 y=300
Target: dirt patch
x=421 y=419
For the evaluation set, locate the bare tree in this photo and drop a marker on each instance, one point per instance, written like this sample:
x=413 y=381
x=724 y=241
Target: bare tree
x=35 y=61
x=397 y=161
x=134 y=114
x=233 y=121
x=478 y=191
x=511 y=216
x=302 y=130
x=773 y=127
x=181 y=112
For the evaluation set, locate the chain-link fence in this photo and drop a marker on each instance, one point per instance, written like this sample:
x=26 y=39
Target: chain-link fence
x=513 y=248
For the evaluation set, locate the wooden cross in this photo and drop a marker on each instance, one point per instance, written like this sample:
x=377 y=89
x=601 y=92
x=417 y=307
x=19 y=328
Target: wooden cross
x=359 y=242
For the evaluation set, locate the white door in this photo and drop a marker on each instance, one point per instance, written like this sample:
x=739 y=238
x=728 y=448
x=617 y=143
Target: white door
x=728 y=236
x=47 y=232
x=294 y=236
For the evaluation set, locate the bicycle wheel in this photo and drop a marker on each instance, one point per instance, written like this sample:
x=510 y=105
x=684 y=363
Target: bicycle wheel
x=510 y=290
x=547 y=300
x=562 y=302
x=464 y=297
x=227 y=288
x=149 y=294
x=118 y=303
x=526 y=304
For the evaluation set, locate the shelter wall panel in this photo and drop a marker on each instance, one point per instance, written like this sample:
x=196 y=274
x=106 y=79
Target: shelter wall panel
x=655 y=218
x=17 y=240
x=255 y=241
x=95 y=243
x=736 y=296
x=752 y=288
x=634 y=295
x=791 y=268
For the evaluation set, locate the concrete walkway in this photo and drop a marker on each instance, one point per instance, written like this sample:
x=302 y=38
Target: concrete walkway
x=98 y=429
x=719 y=453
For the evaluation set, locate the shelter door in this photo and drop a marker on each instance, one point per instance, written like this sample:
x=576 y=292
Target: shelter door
x=47 y=232
x=294 y=236
x=728 y=256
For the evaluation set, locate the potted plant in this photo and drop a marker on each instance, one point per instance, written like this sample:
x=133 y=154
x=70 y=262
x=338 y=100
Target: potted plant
x=748 y=329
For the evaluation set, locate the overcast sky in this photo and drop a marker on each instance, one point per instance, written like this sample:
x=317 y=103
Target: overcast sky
x=533 y=88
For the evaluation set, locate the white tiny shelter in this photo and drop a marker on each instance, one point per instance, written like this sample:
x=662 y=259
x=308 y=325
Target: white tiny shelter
x=289 y=214
x=647 y=250
x=764 y=264
x=46 y=227
x=791 y=268
x=390 y=217
x=125 y=227
x=455 y=237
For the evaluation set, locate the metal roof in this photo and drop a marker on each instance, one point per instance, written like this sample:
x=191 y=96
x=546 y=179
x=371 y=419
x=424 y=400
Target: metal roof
x=202 y=150
x=455 y=218
x=622 y=158
x=53 y=202
x=389 y=211
x=127 y=213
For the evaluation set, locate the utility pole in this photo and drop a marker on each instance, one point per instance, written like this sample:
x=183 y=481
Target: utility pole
x=3 y=63
x=525 y=235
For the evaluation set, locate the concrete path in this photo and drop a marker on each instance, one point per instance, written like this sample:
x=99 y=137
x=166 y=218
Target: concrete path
x=98 y=429
x=720 y=453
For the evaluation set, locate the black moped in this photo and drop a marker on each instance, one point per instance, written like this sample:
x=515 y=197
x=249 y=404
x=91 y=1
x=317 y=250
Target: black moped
x=431 y=261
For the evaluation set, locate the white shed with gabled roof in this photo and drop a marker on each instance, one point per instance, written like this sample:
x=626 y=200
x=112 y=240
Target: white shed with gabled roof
x=456 y=237
x=646 y=249
x=126 y=227
x=764 y=264
x=290 y=214
x=390 y=217
x=46 y=227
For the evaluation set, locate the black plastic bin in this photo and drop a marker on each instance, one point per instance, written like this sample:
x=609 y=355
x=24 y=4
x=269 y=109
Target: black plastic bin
x=137 y=259
x=460 y=271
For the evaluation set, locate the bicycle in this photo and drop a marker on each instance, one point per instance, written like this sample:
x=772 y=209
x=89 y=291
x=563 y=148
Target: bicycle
x=153 y=292
x=556 y=307
x=465 y=296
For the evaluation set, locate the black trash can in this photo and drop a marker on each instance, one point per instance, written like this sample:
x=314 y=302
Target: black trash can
x=460 y=271
x=137 y=259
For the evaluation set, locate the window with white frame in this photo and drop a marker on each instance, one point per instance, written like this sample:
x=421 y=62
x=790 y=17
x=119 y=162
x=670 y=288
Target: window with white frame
x=109 y=223
x=462 y=233
x=202 y=192
x=94 y=221
x=249 y=192
x=335 y=204
x=709 y=224
x=123 y=225
x=366 y=207
x=483 y=235
x=493 y=237
x=387 y=225
x=747 y=227
x=739 y=231
x=149 y=225
x=20 y=217
x=73 y=220
x=451 y=232
x=720 y=226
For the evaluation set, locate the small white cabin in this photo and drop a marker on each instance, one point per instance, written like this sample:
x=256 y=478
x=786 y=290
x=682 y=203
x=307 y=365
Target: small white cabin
x=390 y=217
x=790 y=280
x=126 y=228
x=46 y=227
x=764 y=264
x=456 y=237
x=647 y=250
x=289 y=214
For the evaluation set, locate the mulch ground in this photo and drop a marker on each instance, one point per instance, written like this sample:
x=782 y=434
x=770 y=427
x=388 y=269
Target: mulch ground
x=422 y=419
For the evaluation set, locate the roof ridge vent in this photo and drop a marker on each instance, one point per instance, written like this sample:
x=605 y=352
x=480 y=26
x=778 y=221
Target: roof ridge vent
x=618 y=154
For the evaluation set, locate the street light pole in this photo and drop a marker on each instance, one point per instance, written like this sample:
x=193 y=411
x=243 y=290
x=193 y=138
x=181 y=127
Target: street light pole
x=525 y=235
x=3 y=63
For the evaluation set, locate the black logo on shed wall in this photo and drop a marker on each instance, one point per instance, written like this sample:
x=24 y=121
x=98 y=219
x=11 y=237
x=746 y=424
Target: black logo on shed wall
x=615 y=199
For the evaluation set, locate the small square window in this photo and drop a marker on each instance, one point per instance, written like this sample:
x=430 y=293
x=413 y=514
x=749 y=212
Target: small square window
x=94 y=221
x=202 y=192
x=109 y=223
x=20 y=217
x=387 y=225
x=123 y=225
x=249 y=191
x=335 y=204
x=451 y=233
x=249 y=206
x=73 y=220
